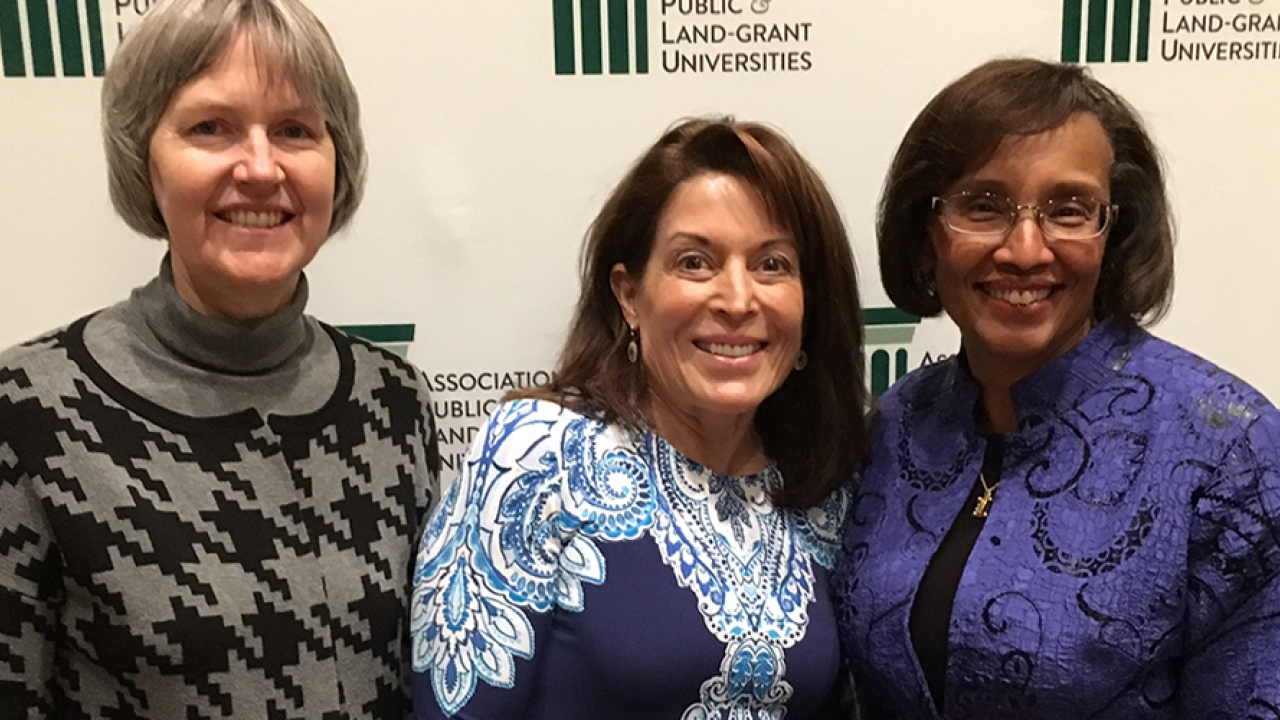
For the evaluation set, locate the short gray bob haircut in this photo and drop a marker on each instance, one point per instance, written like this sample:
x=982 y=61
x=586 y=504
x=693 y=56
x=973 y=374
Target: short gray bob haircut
x=178 y=41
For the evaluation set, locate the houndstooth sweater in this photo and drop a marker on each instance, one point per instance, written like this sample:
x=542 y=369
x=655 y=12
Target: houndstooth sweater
x=202 y=520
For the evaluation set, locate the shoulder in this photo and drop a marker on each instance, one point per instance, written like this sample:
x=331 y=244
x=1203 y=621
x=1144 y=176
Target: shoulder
x=1212 y=400
x=377 y=376
x=518 y=428
x=369 y=357
x=39 y=373
x=42 y=350
x=820 y=526
x=926 y=388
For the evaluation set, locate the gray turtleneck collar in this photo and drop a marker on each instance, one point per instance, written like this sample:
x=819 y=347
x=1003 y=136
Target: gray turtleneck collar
x=230 y=346
x=159 y=347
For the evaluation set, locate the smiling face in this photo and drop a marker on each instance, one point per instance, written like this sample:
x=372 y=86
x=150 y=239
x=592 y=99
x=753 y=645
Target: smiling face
x=720 y=307
x=243 y=173
x=1022 y=301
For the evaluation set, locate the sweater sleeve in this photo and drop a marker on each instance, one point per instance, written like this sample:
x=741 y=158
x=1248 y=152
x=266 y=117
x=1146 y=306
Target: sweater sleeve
x=496 y=561
x=1233 y=670
x=30 y=572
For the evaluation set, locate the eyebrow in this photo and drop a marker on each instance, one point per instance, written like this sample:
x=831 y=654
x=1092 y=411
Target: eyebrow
x=705 y=241
x=221 y=106
x=1057 y=190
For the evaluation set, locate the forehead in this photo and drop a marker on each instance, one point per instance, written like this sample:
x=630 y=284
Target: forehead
x=250 y=63
x=1077 y=152
x=717 y=201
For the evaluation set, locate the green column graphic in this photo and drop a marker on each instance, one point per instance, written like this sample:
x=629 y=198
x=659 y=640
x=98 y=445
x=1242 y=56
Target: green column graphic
x=1144 y=28
x=879 y=372
x=97 y=56
x=1072 y=16
x=1096 y=50
x=892 y=327
x=41 y=34
x=1122 y=31
x=562 y=18
x=69 y=38
x=592 y=62
x=11 y=55
x=619 y=38
x=642 y=37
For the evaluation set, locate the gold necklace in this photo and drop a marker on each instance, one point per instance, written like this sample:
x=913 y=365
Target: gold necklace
x=983 y=506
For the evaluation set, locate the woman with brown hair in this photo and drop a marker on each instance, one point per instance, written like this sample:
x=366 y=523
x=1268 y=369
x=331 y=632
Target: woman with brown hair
x=650 y=535
x=1071 y=518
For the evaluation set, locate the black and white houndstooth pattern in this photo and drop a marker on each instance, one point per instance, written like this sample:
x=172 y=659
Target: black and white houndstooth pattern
x=156 y=565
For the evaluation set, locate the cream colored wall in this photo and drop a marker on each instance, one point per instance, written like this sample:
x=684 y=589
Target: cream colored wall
x=486 y=166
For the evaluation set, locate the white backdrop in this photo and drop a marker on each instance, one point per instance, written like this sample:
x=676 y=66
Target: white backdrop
x=487 y=165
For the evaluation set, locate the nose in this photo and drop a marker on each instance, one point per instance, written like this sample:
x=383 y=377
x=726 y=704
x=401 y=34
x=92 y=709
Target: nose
x=735 y=291
x=1025 y=244
x=259 y=164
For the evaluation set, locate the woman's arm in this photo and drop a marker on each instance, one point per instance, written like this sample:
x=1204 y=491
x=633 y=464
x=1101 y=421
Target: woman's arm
x=488 y=576
x=30 y=577
x=1233 y=670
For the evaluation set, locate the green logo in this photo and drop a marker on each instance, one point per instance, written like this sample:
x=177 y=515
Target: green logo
x=37 y=40
x=395 y=338
x=1112 y=20
x=584 y=40
x=892 y=329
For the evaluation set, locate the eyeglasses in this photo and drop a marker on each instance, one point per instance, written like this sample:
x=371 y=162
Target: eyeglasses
x=986 y=217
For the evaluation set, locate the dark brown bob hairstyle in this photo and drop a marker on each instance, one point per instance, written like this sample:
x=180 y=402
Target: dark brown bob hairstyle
x=961 y=128
x=812 y=426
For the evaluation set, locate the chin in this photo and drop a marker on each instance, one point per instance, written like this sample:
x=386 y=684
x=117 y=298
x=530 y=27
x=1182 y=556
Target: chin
x=734 y=404
x=265 y=268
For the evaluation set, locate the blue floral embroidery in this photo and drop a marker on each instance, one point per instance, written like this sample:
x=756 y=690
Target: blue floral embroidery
x=517 y=532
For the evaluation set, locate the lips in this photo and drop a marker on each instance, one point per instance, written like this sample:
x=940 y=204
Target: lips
x=248 y=218
x=730 y=350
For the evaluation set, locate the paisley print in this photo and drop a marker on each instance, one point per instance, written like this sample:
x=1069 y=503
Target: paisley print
x=521 y=532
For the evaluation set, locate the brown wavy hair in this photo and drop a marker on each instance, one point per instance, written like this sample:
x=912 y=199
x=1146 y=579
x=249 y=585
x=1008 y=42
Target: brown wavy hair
x=813 y=426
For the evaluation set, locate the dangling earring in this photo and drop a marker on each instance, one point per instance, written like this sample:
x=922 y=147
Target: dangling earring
x=633 y=347
x=802 y=361
x=929 y=281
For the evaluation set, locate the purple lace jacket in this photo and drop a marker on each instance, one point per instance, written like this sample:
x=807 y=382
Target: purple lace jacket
x=1129 y=567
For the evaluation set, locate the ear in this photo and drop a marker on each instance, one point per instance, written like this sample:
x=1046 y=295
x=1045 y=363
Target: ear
x=927 y=261
x=625 y=290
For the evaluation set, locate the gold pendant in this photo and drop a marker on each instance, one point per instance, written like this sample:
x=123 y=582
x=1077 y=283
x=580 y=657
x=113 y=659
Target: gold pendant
x=981 y=508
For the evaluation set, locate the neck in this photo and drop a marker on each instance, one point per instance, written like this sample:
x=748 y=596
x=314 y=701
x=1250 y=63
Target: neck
x=996 y=381
x=1002 y=419
x=727 y=444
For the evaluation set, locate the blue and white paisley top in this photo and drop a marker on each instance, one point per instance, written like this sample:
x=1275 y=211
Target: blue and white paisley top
x=576 y=569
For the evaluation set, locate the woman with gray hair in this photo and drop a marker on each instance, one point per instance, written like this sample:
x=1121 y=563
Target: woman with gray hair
x=208 y=498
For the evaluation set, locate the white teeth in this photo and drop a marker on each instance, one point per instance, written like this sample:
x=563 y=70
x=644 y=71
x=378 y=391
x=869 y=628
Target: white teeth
x=1020 y=297
x=731 y=350
x=253 y=219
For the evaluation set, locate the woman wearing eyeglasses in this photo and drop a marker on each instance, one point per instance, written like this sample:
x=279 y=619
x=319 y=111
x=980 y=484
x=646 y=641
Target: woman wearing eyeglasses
x=1071 y=518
